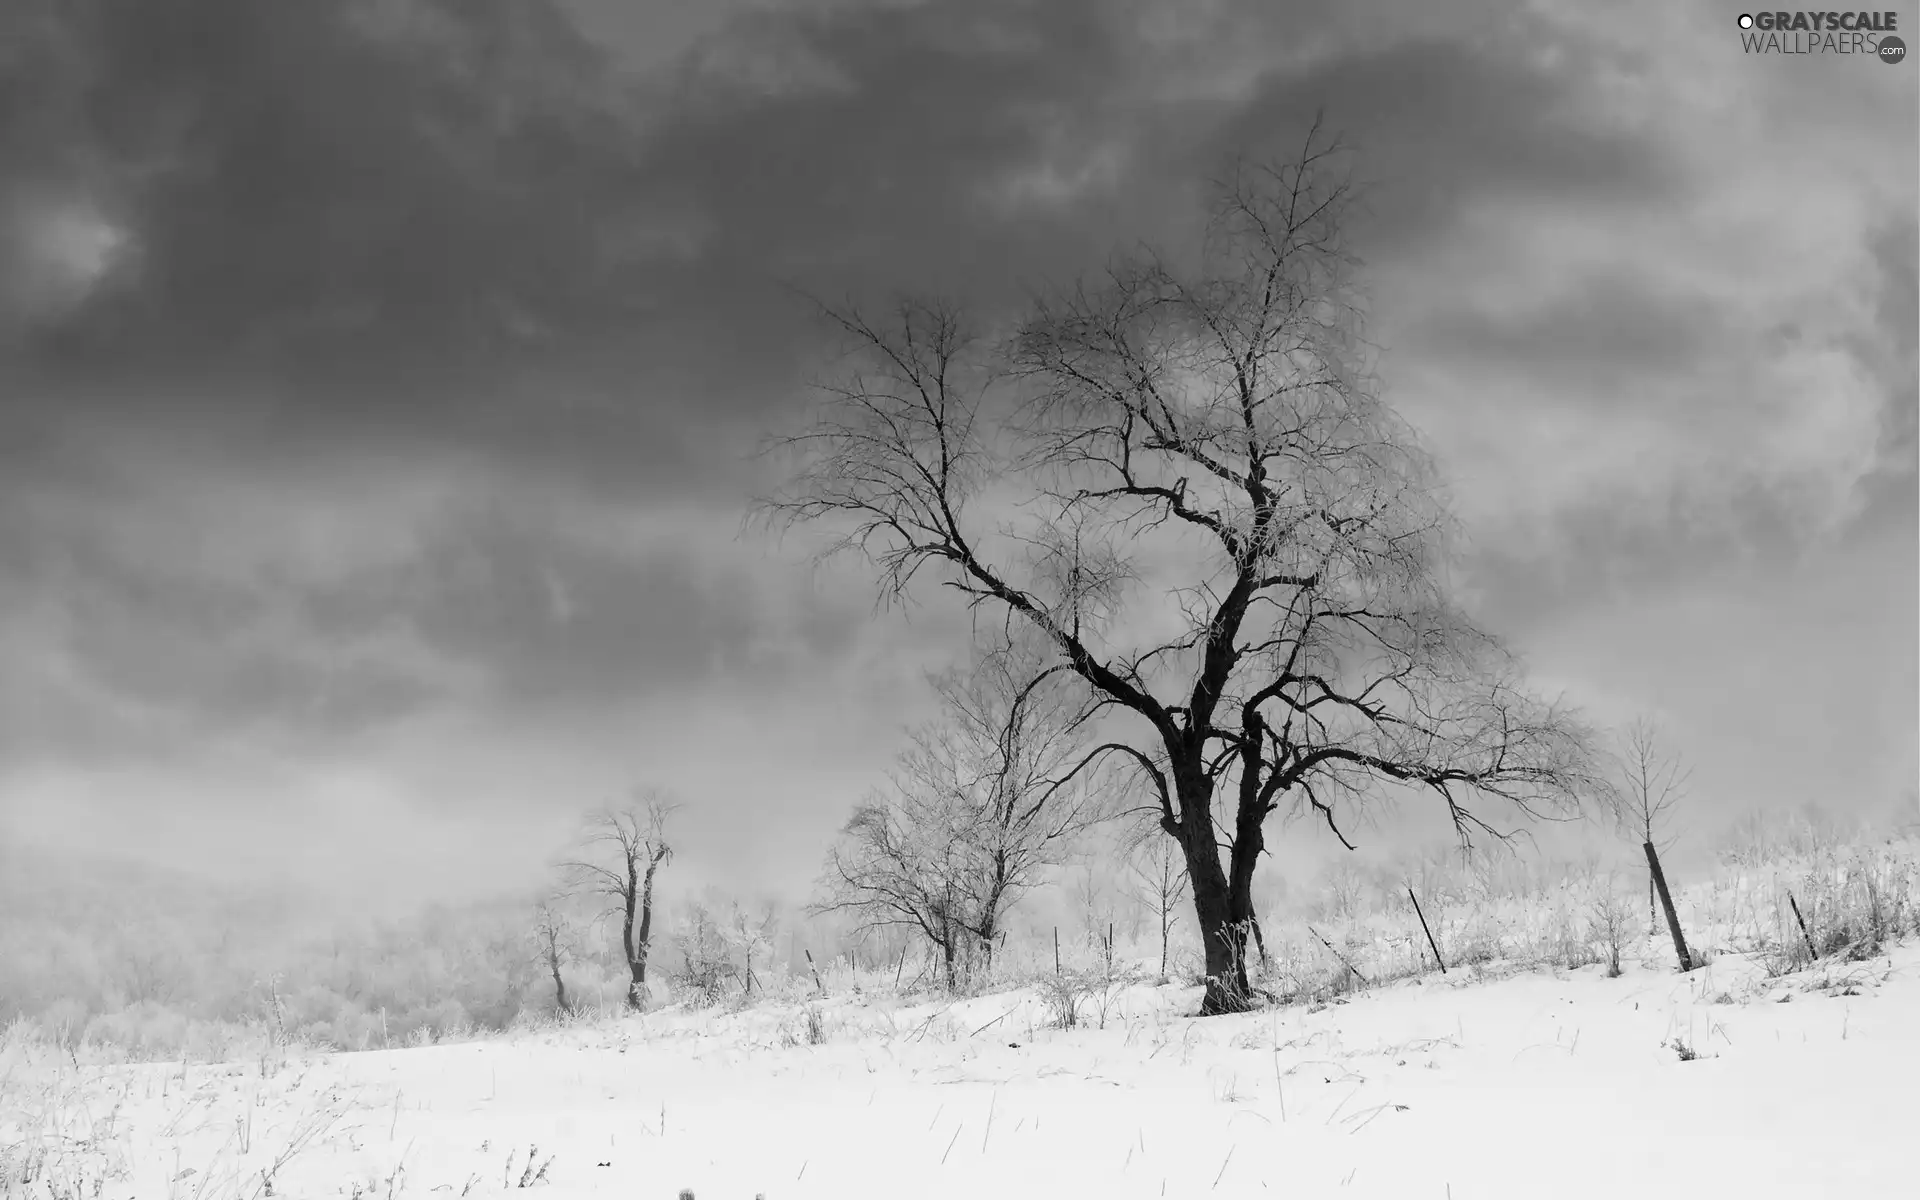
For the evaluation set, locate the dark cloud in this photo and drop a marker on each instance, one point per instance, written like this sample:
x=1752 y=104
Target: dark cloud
x=455 y=227
x=1615 y=548
x=447 y=226
x=1601 y=336
x=878 y=171
x=132 y=650
x=425 y=229
x=1893 y=349
x=554 y=620
x=492 y=608
x=1446 y=123
x=211 y=686
x=309 y=183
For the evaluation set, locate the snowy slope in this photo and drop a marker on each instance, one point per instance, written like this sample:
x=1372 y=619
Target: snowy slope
x=1565 y=1085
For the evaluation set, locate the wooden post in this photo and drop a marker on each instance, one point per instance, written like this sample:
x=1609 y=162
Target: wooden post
x=1056 y=949
x=816 y=972
x=1811 y=952
x=1423 y=928
x=1666 y=902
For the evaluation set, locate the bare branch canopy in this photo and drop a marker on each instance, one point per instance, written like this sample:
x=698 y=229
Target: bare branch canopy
x=1180 y=476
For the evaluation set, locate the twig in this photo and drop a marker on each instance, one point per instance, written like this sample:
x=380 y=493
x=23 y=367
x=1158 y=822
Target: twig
x=1343 y=958
x=1223 y=1168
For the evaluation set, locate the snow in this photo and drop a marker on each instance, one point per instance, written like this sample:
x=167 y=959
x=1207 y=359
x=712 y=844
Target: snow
x=1473 y=1085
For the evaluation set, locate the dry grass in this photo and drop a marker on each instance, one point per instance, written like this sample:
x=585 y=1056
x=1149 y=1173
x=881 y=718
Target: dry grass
x=69 y=1108
x=67 y=1090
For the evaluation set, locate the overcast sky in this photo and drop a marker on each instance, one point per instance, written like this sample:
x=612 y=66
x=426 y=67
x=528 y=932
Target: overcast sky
x=379 y=382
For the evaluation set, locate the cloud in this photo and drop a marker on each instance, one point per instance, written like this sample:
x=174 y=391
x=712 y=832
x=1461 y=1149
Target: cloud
x=450 y=253
x=1631 y=385
x=307 y=614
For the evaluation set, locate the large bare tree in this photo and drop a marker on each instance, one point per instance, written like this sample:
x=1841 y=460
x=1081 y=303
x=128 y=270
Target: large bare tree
x=975 y=813
x=620 y=852
x=1189 y=489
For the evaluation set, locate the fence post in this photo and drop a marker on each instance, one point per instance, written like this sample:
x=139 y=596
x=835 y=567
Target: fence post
x=1802 y=921
x=1056 y=949
x=1666 y=902
x=1424 y=929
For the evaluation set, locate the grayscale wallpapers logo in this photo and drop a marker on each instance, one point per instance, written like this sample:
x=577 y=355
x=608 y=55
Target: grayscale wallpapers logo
x=1868 y=34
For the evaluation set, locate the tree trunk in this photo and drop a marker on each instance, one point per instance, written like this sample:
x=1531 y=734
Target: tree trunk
x=639 y=942
x=559 y=984
x=1223 y=940
x=1223 y=933
x=1166 y=930
x=634 y=970
x=1247 y=844
x=636 y=979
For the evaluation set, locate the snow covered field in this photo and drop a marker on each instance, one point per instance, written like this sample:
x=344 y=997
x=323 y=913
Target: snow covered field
x=1474 y=1085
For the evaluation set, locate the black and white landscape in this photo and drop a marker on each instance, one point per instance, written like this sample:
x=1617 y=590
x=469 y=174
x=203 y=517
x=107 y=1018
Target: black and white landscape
x=926 y=598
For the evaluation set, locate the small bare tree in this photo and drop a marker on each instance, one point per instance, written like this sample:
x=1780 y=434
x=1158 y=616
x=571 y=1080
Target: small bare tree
x=621 y=851
x=1091 y=891
x=1207 y=425
x=1653 y=781
x=752 y=931
x=1157 y=877
x=555 y=940
x=707 y=968
x=983 y=801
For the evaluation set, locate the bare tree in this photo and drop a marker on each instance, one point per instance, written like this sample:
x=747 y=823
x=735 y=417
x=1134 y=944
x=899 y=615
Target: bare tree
x=1091 y=886
x=1653 y=781
x=706 y=952
x=1211 y=426
x=1157 y=877
x=976 y=811
x=753 y=931
x=555 y=940
x=621 y=850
